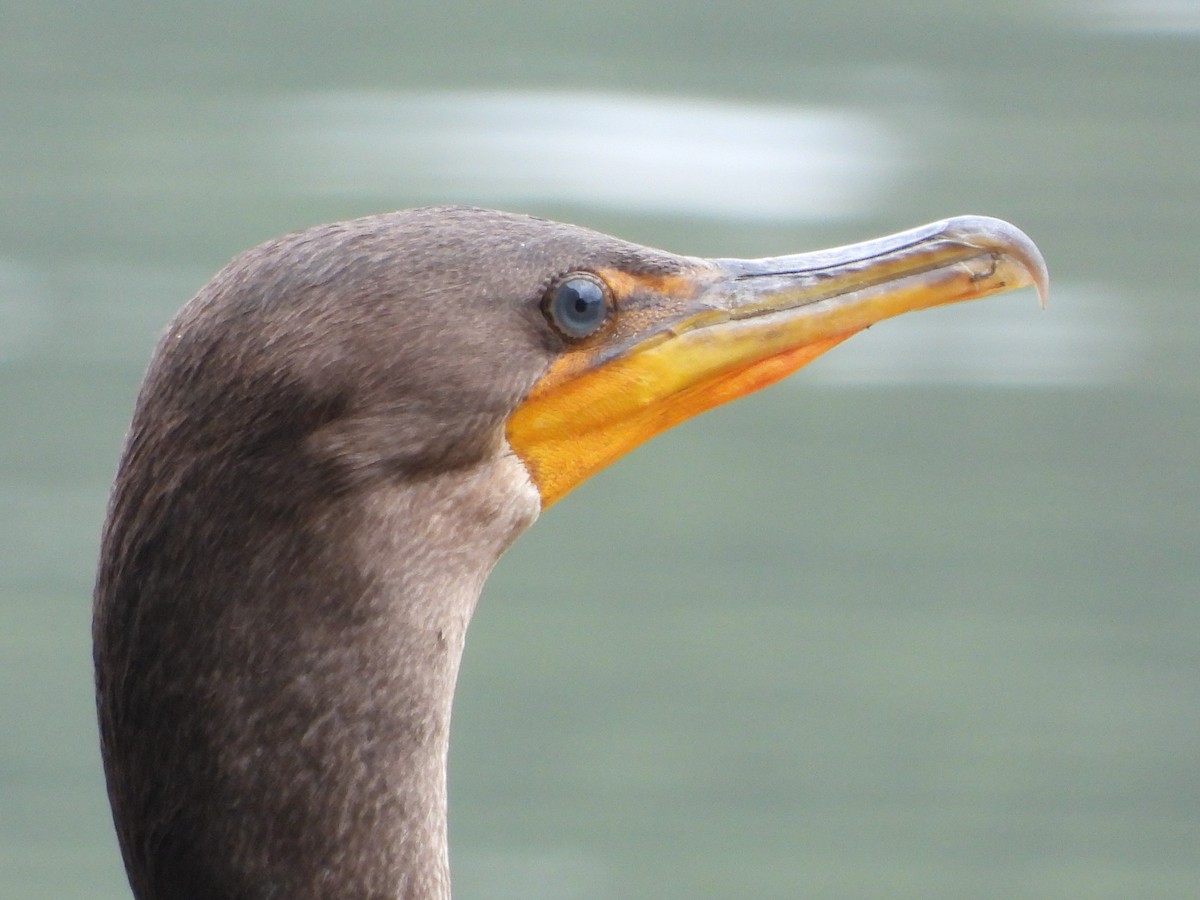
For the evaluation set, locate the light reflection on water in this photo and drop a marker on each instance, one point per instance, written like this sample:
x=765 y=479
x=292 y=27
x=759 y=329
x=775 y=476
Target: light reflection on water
x=629 y=153
x=1151 y=17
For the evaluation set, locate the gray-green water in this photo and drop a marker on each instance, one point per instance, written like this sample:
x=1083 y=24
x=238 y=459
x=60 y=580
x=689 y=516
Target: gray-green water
x=921 y=622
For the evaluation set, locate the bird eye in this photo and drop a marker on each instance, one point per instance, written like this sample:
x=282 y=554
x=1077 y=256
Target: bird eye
x=578 y=305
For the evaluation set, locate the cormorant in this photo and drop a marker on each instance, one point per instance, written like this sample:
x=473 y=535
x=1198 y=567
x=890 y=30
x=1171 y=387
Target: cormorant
x=336 y=439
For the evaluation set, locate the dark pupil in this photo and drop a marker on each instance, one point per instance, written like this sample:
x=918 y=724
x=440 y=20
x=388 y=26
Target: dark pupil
x=579 y=308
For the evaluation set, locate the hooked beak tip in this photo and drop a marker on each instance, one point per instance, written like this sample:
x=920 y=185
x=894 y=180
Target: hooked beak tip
x=1003 y=238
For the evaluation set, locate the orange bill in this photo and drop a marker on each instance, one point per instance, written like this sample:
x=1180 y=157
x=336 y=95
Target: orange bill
x=722 y=328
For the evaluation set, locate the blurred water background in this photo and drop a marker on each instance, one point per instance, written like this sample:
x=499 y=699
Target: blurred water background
x=921 y=622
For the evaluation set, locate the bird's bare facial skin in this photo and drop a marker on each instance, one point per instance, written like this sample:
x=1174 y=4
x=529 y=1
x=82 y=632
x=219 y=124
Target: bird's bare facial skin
x=639 y=307
x=674 y=346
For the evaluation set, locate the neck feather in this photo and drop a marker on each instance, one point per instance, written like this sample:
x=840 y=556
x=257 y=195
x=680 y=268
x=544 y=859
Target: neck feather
x=275 y=712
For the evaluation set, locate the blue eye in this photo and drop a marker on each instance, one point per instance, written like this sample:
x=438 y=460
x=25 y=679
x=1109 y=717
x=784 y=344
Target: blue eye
x=578 y=305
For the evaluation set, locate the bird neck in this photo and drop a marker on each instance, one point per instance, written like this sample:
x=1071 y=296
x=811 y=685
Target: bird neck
x=293 y=742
